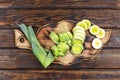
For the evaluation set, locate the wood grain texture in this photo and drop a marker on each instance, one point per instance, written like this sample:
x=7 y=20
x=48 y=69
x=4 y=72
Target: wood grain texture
x=7 y=39
x=67 y=4
x=60 y=4
x=109 y=57
x=20 y=64
x=6 y=3
x=86 y=74
x=18 y=58
x=37 y=18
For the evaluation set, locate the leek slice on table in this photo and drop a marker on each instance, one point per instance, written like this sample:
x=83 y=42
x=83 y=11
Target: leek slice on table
x=45 y=58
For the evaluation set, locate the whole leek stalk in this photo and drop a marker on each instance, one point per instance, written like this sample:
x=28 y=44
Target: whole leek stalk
x=44 y=58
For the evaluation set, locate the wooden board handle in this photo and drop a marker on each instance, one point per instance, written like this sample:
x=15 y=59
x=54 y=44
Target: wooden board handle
x=20 y=40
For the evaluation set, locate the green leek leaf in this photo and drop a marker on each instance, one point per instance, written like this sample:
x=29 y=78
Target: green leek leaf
x=24 y=30
x=38 y=53
x=49 y=59
x=34 y=39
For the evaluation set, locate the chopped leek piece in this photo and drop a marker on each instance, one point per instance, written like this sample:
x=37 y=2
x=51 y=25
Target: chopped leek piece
x=54 y=49
x=54 y=37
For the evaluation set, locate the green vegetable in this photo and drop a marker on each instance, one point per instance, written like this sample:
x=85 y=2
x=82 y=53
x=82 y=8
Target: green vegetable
x=38 y=53
x=94 y=30
x=66 y=36
x=62 y=47
x=69 y=42
x=79 y=32
x=44 y=58
x=77 y=49
x=24 y=29
x=101 y=34
x=61 y=54
x=70 y=35
x=87 y=22
x=49 y=58
x=78 y=28
x=79 y=38
x=54 y=49
x=54 y=37
x=82 y=24
x=76 y=41
x=62 y=37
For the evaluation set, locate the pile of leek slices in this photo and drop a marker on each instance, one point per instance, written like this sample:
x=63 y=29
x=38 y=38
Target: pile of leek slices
x=75 y=39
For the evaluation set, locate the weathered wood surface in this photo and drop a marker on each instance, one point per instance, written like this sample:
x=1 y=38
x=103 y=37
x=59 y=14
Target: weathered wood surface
x=85 y=74
x=18 y=58
x=20 y=64
x=112 y=4
x=7 y=39
x=37 y=18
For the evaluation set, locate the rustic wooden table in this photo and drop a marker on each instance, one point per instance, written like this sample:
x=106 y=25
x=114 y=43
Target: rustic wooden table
x=20 y=64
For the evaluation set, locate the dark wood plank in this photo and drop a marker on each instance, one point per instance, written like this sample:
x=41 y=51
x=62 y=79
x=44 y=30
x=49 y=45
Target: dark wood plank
x=37 y=18
x=7 y=39
x=59 y=4
x=60 y=74
x=109 y=57
x=67 y=4
x=6 y=4
x=17 y=58
x=8 y=58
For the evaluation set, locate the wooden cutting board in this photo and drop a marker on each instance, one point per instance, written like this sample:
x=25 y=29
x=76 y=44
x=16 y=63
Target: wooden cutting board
x=62 y=26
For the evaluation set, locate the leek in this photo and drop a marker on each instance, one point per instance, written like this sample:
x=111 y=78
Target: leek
x=44 y=58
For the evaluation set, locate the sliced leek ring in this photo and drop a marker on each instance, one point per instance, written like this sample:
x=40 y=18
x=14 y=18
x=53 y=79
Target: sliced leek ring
x=96 y=43
x=79 y=38
x=80 y=32
x=94 y=30
x=101 y=34
x=78 y=28
x=82 y=24
x=76 y=41
x=77 y=49
x=80 y=35
x=87 y=22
